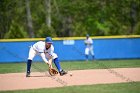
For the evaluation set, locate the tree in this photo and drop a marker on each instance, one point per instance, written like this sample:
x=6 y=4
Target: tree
x=29 y=19
x=70 y=17
x=15 y=31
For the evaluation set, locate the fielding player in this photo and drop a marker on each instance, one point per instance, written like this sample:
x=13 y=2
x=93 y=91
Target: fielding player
x=46 y=51
x=89 y=47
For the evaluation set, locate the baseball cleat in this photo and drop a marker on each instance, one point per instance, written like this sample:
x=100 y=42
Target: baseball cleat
x=27 y=74
x=62 y=73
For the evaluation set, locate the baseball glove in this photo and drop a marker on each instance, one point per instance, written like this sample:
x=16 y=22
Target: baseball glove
x=53 y=71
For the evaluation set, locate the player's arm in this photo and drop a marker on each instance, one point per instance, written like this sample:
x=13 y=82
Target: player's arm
x=85 y=42
x=51 y=57
x=90 y=41
x=49 y=62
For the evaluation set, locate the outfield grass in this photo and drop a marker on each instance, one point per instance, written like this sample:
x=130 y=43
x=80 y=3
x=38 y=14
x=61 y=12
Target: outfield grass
x=77 y=65
x=100 y=88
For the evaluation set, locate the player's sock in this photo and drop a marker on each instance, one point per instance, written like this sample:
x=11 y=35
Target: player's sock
x=93 y=57
x=86 y=57
x=57 y=64
x=29 y=62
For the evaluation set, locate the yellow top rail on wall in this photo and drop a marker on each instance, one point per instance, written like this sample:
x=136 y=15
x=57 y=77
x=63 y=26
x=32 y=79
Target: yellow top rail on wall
x=70 y=38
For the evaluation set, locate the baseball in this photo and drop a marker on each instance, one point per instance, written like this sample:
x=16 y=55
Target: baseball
x=70 y=74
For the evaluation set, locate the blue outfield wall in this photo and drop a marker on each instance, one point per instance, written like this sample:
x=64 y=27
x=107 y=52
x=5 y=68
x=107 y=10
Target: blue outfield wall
x=115 y=48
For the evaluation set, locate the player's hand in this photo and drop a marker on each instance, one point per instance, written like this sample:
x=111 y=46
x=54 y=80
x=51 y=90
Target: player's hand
x=50 y=64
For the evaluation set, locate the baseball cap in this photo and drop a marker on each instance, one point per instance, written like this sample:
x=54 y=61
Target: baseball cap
x=48 y=40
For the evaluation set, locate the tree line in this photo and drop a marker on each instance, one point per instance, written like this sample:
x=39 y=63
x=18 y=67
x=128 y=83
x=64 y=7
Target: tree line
x=64 y=18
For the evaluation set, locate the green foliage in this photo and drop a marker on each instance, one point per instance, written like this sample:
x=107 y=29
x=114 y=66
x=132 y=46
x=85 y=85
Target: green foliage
x=45 y=31
x=137 y=29
x=72 y=18
x=15 y=31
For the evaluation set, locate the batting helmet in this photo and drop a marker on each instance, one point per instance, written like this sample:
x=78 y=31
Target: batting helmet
x=48 y=40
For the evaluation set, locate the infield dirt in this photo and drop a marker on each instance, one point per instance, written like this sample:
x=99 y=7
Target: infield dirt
x=18 y=81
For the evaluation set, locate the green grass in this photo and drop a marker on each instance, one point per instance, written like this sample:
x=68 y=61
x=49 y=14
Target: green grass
x=100 y=88
x=77 y=65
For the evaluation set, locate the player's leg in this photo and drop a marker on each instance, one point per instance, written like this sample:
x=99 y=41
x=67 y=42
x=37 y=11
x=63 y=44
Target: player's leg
x=32 y=53
x=57 y=64
x=86 y=53
x=92 y=52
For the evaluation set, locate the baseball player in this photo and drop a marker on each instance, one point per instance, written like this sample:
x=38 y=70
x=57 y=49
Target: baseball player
x=89 y=47
x=46 y=50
